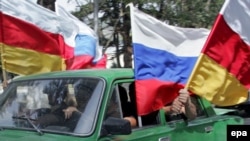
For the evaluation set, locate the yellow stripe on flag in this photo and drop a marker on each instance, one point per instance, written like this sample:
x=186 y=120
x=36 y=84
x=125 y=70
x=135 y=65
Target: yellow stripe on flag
x=25 y=62
x=214 y=83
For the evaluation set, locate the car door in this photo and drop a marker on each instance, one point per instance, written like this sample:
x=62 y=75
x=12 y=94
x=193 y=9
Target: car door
x=146 y=131
x=206 y=127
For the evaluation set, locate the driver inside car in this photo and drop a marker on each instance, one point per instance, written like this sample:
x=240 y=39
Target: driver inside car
x=63 y=105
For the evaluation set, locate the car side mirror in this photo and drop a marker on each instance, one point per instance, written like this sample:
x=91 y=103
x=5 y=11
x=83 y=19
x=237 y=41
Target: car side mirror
x=115 y=126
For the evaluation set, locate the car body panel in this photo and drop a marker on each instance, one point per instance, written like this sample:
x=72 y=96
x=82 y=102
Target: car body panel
x=209 y=126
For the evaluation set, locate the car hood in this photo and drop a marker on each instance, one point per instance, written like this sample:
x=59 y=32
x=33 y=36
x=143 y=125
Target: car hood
x=16 y=135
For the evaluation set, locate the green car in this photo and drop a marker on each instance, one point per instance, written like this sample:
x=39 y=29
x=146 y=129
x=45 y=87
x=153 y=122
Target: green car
x=33 y=109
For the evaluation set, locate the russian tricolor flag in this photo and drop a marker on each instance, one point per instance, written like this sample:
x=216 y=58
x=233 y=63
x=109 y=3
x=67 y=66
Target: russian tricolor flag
x=87 y=51
x=164 y=57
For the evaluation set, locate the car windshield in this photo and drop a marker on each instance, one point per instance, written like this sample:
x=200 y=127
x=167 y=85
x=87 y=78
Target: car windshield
x=62 y=105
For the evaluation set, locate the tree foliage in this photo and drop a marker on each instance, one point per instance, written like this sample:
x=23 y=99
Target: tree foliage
x=183 y=13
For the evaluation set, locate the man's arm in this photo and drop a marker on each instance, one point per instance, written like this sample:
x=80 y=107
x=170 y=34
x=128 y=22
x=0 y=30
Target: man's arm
x=132 y=121
x=189 y=107
x=182 y=104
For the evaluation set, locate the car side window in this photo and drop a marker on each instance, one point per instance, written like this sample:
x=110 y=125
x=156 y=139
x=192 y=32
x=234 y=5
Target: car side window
x=122 y=104
x=199 y=110
x=150 y=119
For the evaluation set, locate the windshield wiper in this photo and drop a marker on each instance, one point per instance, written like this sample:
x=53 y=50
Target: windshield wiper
x=30 y=122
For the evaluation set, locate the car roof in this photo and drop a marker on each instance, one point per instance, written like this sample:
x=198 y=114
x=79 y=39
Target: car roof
x=113 y=73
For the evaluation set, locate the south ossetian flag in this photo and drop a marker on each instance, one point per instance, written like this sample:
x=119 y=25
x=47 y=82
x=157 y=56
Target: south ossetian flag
x=34 y=39
x=164 y=57
x=222 y=73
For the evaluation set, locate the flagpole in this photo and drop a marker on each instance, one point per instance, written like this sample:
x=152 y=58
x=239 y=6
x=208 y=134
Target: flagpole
x=193 y=72
x=131 y=6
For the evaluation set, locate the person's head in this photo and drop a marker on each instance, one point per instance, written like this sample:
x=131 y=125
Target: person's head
x=56 y=92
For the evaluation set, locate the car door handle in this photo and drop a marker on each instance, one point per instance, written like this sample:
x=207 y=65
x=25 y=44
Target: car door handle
x=208 y=129
x=164 y=139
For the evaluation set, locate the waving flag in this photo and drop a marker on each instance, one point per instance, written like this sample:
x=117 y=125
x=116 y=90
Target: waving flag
x=30 y=39
x=222 y=73
x=34 y=39
x=87 y=52
x=164 y=57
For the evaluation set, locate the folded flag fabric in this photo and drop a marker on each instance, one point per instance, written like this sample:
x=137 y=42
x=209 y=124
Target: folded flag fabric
x=164 y=57
x=221 y=74
x=87 y=51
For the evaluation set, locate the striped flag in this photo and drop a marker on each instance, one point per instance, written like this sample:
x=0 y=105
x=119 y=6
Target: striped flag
x=221 y=74
x=34 y=39
x=164 y=57
x=29 y=44
x=87 y=51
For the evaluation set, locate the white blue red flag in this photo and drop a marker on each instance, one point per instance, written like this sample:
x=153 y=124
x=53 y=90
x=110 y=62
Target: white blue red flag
x=87 y=51
x=164 y=57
